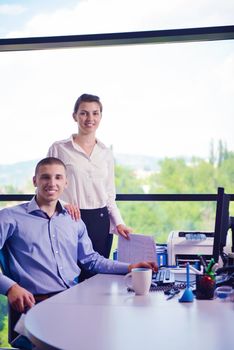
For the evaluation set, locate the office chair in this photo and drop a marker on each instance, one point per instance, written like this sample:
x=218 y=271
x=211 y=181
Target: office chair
x=3 y=262
x=6 y=271
x=18 y=342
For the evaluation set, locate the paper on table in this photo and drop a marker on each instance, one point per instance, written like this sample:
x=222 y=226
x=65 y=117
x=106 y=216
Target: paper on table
x=137 y=248
x=19 y=327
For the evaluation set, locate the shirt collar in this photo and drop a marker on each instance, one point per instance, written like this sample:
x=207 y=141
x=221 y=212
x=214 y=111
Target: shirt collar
x=99 y=143
x=33 y=206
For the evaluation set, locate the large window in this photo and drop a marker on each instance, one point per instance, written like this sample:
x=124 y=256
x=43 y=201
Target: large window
x=160 y=100
x=30 y=18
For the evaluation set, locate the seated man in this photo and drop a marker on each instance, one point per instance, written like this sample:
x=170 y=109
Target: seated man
x=43 y=244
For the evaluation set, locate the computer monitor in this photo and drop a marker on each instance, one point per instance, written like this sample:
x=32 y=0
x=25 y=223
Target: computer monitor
x=222 y=225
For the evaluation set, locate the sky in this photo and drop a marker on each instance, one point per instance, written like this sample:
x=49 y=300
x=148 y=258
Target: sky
x=163 y=100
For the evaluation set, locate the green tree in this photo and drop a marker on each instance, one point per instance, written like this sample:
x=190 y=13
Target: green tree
x=4 y=334
x=126 y=181
x=3 y=322
x=3 y=310
x=212 y=153
x=178 y=176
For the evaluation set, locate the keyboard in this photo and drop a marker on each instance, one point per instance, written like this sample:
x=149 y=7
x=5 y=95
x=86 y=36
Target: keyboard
x=163 y=277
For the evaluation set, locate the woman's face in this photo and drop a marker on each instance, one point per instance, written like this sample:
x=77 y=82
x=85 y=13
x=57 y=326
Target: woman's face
x=88 y=117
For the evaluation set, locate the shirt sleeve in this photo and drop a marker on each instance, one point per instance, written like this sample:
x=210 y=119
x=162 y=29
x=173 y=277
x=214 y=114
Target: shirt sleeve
x=115 y=216
x=52 y=151
x=93 y=261
x=6 y=227
x=5 y=284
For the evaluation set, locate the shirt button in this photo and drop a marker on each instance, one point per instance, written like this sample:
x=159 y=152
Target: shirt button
x=56 y=252
x=53 y=236
x=101 y=215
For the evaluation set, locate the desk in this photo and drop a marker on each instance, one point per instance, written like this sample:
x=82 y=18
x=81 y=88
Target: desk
x=99 y=314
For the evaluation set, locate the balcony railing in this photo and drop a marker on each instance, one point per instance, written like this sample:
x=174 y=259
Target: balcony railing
x=133 y=197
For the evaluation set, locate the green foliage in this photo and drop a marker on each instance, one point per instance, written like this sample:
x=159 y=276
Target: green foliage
x=3 y=322
x=177 y=176
x=126 y=181
x=3 y=310
x=4 y=334
x=159 y=218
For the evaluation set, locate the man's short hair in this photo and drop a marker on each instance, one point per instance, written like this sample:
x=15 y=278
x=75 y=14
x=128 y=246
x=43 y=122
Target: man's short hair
x=49 y=161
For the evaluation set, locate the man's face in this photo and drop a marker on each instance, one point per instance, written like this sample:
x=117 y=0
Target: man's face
x=50 y=181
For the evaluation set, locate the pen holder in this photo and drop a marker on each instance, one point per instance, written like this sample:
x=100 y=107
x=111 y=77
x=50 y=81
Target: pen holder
x=205 y=286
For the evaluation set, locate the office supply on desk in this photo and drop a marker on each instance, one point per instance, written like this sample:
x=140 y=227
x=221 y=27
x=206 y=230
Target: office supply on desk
x=225 y=276
x=161 y=252
x=180 y=274
x=225 y=293
x=210 y=265
x=163 y=277
x=141 y=279
x=163 y=280
x=184 y=246
x=182 y=270
x=205 y=287
x=187 y=296
x=138 y=248
x=172 y=292
x=202 y=261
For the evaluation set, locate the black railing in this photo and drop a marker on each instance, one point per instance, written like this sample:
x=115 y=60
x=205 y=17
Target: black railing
x=134 y=197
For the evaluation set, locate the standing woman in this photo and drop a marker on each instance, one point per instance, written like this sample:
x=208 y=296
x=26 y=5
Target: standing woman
x=91 y=179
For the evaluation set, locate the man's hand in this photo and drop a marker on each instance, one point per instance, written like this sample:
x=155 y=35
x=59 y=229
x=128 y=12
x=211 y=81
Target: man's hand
x=73 y=210
x=124 y=231
x=19 y=298
x=148 y=264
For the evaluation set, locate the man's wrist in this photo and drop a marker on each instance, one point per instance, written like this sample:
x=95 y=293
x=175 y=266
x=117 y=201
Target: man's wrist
x=12 y=286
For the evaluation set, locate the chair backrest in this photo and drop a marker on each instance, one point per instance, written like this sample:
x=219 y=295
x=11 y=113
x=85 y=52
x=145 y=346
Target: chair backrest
x=3 y=262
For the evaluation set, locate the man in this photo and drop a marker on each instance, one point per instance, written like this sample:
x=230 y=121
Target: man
x=43 y=244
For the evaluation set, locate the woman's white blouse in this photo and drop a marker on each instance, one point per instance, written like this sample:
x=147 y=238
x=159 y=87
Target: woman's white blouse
x=91 y=181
